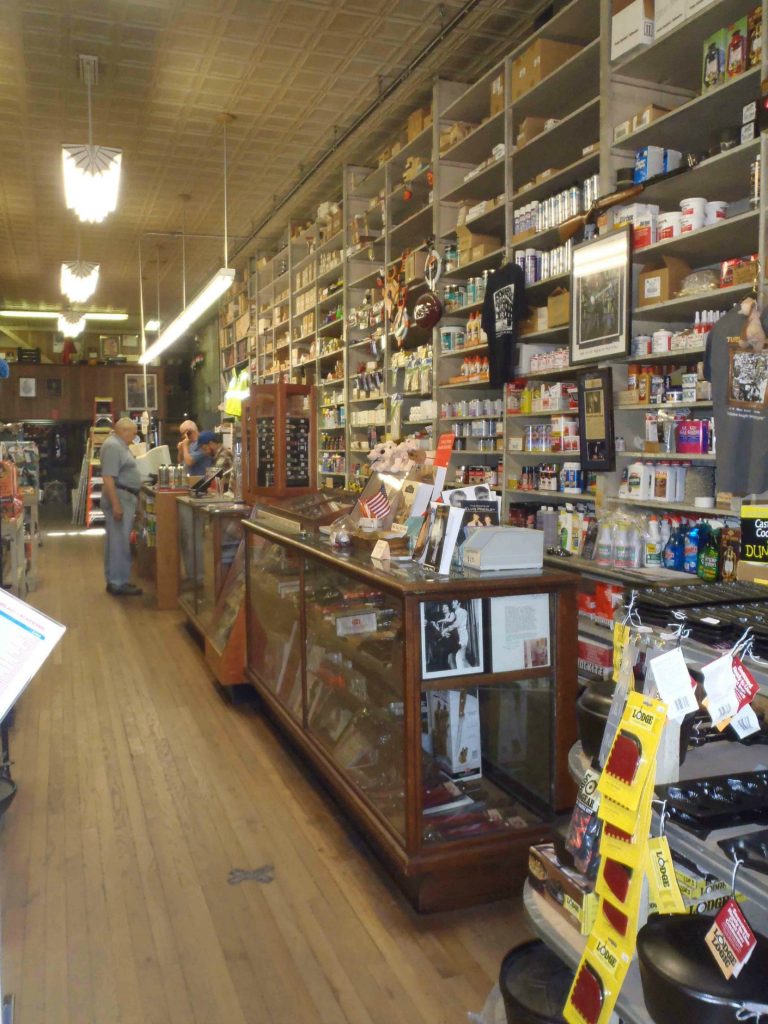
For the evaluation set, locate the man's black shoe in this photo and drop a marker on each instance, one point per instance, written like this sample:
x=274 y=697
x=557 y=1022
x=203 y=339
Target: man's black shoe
x=128 y=590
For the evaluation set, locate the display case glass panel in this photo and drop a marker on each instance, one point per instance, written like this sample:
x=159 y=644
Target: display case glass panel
x=487 y=763
x=274 y=621
x=222 y=531
x=355 y=689
x=190 y=555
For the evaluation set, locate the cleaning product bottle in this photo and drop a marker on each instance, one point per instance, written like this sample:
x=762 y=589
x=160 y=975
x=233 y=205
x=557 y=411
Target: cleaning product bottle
x=709 y=554
x=605 y=542
x=674 y=551
x=653 y=542
x=692 y=547
x=666 y=529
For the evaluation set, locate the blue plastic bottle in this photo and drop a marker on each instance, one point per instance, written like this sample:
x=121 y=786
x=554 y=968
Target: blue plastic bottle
x=691 y=550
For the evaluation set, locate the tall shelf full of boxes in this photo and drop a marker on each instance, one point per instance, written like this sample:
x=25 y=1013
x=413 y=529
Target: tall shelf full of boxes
x=490 y=170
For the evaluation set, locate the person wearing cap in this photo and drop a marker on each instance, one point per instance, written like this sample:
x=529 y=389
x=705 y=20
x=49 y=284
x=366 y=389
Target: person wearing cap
x=221 y=458
x=120 y=496
x=190 y=454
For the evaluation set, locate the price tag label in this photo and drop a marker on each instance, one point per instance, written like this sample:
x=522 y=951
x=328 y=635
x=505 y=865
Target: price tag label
x=730 y=939
x=662 y=880
x=674 y=683
x=745 y=723
x=745 y=685
x=380 y=551
x=720 y=686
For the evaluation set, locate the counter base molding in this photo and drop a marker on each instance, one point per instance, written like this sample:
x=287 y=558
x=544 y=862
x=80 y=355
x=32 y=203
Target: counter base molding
x=438 y=712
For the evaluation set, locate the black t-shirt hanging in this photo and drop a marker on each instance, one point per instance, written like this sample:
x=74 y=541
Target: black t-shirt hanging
x=504 y=306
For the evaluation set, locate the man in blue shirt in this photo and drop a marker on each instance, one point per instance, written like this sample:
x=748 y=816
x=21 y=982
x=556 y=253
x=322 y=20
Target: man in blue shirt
x=120 y=495
x=191 y=454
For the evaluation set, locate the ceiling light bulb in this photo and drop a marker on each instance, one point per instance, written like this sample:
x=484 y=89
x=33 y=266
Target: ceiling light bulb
x=219 y=283
x=79 y=280
x=91 y=180
x=152 y=325
x=71 y=324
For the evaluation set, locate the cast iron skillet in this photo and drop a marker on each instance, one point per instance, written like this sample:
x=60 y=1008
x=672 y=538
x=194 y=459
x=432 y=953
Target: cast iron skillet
x=682 y=982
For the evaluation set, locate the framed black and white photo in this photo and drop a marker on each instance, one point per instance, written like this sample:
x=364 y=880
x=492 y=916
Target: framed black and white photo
x=27 y=387
x=134 y=392
x=600 y=298
x=598 y=447
x=451 y=638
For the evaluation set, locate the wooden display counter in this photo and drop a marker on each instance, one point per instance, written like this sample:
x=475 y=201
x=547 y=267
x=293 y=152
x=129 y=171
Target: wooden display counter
x=438 y=711
x=157 y=547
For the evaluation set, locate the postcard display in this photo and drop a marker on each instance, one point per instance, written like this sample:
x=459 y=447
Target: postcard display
x=439 y=712
x=210 y=536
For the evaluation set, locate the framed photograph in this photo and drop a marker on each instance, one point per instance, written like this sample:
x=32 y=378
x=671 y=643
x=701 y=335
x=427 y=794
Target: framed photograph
x=27 y=387
x=600 y=298
x=134 y=392
x=110 y=346
x=520 y=635
x=130 y=341
x=451 y=638
x=53 y=387
x=598 y=450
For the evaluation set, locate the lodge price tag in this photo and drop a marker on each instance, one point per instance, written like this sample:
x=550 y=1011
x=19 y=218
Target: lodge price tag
x=674 y=683
x=730 y=939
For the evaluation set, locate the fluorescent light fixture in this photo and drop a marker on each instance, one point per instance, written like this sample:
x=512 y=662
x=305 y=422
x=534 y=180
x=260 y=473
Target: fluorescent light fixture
x=219 y=283
x=53 y=314
x=30 y=314
x=71 y=324
x=91 y=180
x=152 y=325
x=79 y=280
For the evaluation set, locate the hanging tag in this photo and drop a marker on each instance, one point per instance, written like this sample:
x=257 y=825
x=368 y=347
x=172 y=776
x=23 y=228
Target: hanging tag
x=620 y=640
x=662 y=881
x=745 y=685
x=730 y=939
x=745 y=723
x=674 y=683
x=720 y=686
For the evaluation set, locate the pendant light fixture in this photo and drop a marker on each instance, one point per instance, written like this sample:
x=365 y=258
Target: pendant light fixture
x=71 y=324
x=91 y=173
x=221 y=281
x=79 y=280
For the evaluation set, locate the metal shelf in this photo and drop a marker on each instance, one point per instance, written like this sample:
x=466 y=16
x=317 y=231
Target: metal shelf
x=568 y=138
x=520 y=495
x=478 y=144
x=676 y=506
x=717 y=298
x=699 y=122
x=725 y=177
x=493 y=259
x=576 y=77
x=676 y=58
x=580 y=169
x=486 y=184
x=473 y=104
x=668 y=457
x=736 y=236
x=547 y=335
x=646 y=406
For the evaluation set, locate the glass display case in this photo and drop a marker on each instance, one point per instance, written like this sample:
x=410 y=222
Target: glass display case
x=211 y=560
x=279 y=441
x=439 y=711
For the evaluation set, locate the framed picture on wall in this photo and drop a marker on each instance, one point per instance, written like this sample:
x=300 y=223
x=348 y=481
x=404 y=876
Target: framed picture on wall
x=134 y=392
x=110 y=346
x=53 y=387
x=598 y=447
x=130 y=341
x=27 y=387
x=600 y=298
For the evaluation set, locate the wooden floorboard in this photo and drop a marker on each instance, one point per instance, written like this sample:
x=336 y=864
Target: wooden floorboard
x=139 y=790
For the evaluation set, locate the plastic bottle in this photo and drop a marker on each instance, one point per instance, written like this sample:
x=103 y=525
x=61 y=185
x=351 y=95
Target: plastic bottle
x=666 y=530
x=604 y=545
x=622 y=546
x=709 y=555
x=691 y=553
x=674 y=550
x=653 y=542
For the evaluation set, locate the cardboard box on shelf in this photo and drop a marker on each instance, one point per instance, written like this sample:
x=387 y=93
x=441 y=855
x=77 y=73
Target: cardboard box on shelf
x=537 y=320
x=668 y=15
x=632 y=25
x=647 y=116
x=661 y=284
x=570 y=893
x=383 y=156
x=537 y=62
x=529 y=129
x=454 y=727
x=752 y=572
x=428 y=116
x=622 y=130
x=414 y=265
x=545 y=175
x=559 y=308
x=468 y=242
x=484 y=248
x=497 y=95
x=415 y=124
x=458 y=131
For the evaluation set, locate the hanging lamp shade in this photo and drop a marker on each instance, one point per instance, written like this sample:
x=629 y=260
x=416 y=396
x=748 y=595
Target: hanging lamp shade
x=91 y=180
x=71 y=324
x=79 y=280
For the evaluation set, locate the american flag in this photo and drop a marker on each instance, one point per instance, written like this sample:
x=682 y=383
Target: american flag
x=377 y=506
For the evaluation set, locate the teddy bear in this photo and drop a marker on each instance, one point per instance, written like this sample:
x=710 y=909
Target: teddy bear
x=753 y=335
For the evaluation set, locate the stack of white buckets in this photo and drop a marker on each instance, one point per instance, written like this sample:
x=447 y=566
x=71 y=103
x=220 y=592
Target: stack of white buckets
x=694 y=213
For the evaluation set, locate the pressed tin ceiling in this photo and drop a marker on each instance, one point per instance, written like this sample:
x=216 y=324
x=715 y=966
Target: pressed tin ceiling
x=292 y=71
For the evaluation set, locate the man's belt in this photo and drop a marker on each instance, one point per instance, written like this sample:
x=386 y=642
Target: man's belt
x=131 y=490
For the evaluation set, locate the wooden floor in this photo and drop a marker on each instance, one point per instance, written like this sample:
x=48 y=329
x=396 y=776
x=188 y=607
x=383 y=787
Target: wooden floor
x=139 y=791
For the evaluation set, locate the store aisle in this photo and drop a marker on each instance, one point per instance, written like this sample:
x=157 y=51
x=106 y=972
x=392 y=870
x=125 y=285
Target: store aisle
x=139 y=791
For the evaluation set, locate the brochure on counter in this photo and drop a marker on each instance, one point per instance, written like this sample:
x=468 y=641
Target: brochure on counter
x=27 y=638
